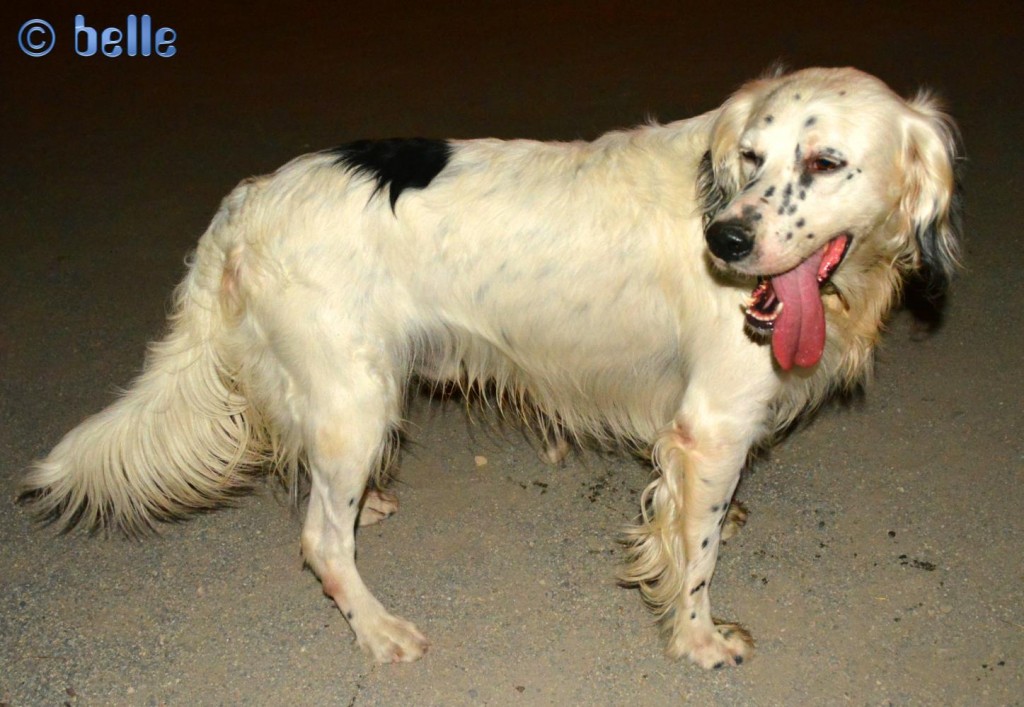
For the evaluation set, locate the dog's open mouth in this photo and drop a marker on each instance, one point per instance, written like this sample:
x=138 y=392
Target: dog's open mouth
x=788 y=306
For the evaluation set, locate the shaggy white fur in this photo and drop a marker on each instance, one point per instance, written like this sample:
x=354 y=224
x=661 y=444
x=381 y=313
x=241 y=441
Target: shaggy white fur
x=574 y=280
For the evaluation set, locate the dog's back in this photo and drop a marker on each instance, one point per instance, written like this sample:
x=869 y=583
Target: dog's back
x=571 y=279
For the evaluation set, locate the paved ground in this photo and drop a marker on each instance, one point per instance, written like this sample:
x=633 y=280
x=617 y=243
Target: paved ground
x=882 y=560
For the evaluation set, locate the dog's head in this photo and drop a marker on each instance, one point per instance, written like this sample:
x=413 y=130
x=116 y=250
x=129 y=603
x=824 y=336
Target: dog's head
x=818 y=176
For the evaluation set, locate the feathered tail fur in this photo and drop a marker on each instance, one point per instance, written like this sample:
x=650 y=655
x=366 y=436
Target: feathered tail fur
x=180 y=439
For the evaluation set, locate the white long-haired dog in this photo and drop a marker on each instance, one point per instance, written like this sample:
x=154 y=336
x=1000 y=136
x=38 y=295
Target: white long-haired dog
x=687 y=288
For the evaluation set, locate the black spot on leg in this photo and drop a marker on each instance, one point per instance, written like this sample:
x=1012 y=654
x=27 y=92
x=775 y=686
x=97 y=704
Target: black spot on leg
x=698 y=587
x=349 y=615
x=351 y=501
x=800 y=223
x=714 y=508
x=693 y=616
x=704 y=544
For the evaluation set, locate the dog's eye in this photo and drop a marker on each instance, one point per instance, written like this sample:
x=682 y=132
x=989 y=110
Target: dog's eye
x=822 y=164
x=751 y=158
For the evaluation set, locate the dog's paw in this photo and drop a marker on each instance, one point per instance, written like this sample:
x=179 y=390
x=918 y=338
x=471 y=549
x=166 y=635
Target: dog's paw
x=726 y=645
x=555 y=452
x=390 y=639
x=377 y=505
x=735 y=519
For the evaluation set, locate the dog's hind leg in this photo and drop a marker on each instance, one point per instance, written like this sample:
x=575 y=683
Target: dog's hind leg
x=377 y=505
x=345 y=436
x=735 y=519
x=556 y=446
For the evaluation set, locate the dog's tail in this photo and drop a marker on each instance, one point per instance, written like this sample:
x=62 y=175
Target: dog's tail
x=182 y=438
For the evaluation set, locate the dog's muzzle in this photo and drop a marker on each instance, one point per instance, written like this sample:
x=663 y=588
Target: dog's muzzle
x=729 y=240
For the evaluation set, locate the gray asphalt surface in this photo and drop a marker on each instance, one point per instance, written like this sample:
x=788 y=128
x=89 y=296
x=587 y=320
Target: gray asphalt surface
x=881 y=563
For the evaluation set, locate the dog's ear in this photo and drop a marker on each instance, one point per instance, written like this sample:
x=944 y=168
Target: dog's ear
x=932 y=195
x=718 y=178
x=712 y=194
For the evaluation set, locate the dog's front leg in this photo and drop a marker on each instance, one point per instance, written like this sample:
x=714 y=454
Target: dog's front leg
x=676 y=546
x=709 y=478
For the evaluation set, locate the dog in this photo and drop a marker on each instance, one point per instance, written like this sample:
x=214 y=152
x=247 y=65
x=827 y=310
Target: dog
x=688 y=289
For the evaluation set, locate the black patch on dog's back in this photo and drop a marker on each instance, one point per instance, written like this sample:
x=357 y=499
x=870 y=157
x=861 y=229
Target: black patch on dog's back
x=397 y=163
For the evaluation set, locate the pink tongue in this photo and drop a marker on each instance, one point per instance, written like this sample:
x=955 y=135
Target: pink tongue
x=799 y=332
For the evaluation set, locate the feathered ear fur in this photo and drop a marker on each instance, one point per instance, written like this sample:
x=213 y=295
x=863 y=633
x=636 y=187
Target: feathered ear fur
x=718 y=178
x=712 y=194
x=932 y=203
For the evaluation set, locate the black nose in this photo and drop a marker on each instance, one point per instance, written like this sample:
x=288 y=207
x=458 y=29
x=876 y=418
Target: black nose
x=729 y=240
